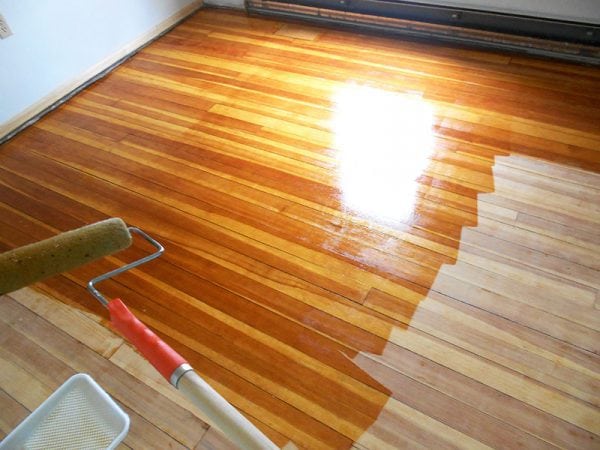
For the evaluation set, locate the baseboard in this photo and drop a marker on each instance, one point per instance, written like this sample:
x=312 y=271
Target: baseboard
x=577 y=46
x=237 y=4
x=67 y=90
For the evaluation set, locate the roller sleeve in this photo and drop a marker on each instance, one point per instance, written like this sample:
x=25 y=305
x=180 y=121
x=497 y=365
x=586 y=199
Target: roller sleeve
x=34 y=262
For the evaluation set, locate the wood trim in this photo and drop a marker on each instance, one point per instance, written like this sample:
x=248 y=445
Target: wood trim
x=66 y=90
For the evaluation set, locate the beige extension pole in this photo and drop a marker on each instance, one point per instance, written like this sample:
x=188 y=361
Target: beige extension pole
x=228 y=419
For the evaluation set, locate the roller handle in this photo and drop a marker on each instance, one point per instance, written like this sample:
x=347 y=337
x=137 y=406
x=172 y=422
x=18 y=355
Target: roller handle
x=231 y=422
x=166 y=360
x=154 y=349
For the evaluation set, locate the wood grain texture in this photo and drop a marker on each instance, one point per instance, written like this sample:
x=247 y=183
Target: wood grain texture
x=456 y=308
x=36 y=357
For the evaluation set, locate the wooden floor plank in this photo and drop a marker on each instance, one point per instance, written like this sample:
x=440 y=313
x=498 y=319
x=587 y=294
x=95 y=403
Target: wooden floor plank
x=44 y=347
x=13 y=413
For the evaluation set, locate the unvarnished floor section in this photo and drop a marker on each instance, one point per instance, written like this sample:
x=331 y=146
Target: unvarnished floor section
x=369 y=242
x=43 y=342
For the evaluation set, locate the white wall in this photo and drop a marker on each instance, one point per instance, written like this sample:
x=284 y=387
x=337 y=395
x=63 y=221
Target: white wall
x=587 y=11
x=58 y=44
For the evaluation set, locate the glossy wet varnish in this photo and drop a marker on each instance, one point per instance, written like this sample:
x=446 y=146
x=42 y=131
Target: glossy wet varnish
x=369 y=241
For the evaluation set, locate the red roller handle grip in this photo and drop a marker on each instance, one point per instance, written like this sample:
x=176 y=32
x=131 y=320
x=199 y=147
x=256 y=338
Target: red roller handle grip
x=154 y=349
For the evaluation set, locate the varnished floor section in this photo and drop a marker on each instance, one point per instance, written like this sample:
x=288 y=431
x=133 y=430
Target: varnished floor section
x=369 y=242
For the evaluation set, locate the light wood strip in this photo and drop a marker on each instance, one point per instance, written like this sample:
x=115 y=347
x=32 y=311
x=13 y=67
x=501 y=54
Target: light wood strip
x=13 y=414
x=64 y=350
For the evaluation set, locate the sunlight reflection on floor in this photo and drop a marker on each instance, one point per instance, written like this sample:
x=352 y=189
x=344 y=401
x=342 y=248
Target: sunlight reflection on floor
x=384 y=140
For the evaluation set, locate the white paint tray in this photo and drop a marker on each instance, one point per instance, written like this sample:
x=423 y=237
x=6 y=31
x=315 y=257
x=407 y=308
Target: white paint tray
x=78 y=415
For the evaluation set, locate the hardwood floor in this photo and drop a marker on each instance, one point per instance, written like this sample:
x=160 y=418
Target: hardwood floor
x=370 y=243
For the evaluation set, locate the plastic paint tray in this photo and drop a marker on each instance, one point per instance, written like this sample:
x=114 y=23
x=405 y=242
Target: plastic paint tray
x=78 y=415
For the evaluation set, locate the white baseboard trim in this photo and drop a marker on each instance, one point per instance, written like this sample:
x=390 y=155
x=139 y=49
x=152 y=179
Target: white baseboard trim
x=32 y=113
x=238 y=4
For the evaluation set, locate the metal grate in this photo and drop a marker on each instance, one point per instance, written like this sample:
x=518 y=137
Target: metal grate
x=79 y=415
x=74 y=423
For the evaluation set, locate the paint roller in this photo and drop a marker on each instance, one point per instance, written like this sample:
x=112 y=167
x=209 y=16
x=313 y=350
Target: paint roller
x=34 y=262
